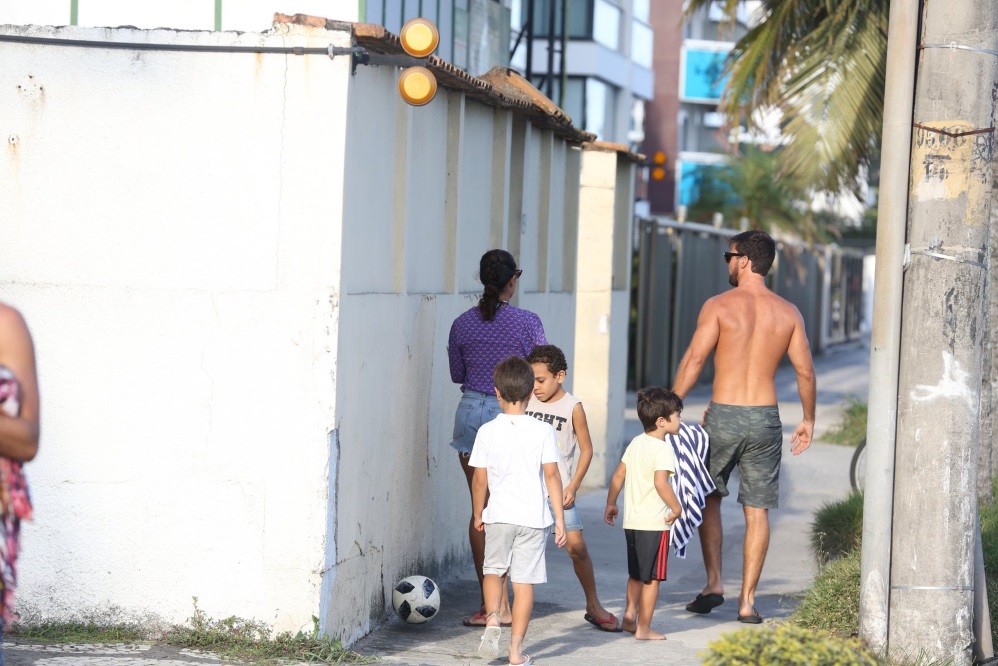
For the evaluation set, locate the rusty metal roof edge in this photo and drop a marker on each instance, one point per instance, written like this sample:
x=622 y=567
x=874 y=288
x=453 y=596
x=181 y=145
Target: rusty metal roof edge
x=378 y=39
x=609 y=147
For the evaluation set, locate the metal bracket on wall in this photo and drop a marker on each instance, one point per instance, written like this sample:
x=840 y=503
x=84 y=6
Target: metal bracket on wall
x=361 y=56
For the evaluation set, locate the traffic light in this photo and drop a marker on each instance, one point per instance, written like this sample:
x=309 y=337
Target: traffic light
x=658 y=171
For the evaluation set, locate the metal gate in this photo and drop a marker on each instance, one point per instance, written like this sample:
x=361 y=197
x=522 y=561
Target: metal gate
x=680 y=266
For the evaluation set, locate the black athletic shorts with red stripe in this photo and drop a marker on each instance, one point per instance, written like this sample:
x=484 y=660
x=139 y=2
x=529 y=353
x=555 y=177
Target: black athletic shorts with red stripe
x=647 y=554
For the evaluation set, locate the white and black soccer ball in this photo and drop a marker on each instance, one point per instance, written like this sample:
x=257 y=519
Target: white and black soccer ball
x=416 y=599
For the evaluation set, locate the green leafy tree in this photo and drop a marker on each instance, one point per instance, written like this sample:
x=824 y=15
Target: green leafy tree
x=750 y=186
x=821 y=63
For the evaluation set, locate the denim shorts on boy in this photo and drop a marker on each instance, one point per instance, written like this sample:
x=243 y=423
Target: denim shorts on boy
x=474 y=409
x=573 y=521
x=516 y=549
x=647 y=554
x=752 y=439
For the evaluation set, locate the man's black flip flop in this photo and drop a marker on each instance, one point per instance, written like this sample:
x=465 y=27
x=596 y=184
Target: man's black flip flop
x=753 y=618
x=705 y=603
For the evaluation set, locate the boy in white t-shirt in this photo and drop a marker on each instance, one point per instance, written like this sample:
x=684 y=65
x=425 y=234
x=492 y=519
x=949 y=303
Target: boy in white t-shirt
x=650 y=506
x=516 y=468
x=552 y=404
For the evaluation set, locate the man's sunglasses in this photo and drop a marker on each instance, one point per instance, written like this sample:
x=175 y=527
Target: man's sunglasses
x=728 y=255
x=518 y=273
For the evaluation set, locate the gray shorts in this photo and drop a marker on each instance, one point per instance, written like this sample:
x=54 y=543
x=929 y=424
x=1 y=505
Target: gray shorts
x=752 y=439
x=517 y=550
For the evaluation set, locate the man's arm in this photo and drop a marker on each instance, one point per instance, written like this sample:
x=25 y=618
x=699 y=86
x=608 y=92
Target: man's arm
x=479 y=488
x=616 y=483
x=799 y=352
x=19 y=434
x=581 y=427
x=703 y=343
x=552 y=478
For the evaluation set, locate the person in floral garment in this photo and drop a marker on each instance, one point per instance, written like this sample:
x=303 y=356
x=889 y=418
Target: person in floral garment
x=19 y=408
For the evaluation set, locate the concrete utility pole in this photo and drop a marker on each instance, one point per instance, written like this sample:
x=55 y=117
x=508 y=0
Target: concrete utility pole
x=944 y=332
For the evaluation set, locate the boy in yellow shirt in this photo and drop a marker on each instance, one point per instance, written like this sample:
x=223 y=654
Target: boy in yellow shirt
x=650 y=506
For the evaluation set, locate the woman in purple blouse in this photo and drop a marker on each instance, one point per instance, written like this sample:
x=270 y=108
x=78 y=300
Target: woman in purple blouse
x=479 y=339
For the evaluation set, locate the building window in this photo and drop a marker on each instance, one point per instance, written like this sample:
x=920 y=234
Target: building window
x=589 y=102
x=642 y=43
x=606 y=24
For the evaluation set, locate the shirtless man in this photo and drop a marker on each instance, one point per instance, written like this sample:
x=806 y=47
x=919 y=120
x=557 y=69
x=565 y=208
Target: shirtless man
x=749 y=329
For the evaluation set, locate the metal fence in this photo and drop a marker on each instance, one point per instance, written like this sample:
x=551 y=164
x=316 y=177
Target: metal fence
x=679 y=266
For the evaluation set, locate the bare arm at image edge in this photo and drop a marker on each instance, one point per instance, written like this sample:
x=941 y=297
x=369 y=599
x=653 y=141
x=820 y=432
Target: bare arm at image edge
x=19 y=434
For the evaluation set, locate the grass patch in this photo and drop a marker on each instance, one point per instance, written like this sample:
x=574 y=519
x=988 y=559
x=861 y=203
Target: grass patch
x=837 y=528
x=851 y=429
x=832 y=602
x=249 y=640
x=78 y=632
x=989 y=544
x=234 y=638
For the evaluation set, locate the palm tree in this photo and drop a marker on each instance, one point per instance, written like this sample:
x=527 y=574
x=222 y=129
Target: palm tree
x=821 y=63
x=749 y=186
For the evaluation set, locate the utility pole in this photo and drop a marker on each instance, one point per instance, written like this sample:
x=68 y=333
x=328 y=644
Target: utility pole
x=944 y=332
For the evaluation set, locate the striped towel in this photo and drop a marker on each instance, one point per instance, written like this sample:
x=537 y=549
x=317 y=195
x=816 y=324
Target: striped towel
x=691 y=483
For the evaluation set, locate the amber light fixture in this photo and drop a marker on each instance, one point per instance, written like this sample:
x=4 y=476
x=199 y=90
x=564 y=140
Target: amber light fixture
x=417 y=85
x=419 y=38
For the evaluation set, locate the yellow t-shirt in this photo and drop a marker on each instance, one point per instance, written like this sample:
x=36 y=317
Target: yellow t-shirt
x=644 y=509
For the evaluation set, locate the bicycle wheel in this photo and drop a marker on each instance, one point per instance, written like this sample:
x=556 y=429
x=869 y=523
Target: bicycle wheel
x=857 y=468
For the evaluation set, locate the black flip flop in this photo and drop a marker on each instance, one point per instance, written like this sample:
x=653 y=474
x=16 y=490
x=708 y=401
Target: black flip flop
x=753 y=618
x=705 y=603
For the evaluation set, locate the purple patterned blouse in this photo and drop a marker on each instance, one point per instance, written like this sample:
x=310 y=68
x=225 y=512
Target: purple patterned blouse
x=476 y=346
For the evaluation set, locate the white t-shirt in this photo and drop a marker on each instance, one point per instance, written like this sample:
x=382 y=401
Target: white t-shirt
x=644 y=509
x=559 y=415
x=513 y=448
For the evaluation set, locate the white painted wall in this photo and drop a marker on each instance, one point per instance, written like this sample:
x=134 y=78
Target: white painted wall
x=241 y=272
x=171 y=227
x=410 y=268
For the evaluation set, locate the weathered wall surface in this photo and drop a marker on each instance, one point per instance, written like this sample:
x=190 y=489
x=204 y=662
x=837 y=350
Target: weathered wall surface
x=171 y=226
x=241 y=270
x=410 y=266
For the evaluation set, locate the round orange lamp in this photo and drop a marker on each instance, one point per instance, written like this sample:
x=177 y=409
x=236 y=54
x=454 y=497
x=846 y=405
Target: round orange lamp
x=419 y=37
x=417 y=85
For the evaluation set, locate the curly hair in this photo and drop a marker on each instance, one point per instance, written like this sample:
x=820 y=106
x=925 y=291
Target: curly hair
x=549 y=355
x=495 y=270
x=758 y=246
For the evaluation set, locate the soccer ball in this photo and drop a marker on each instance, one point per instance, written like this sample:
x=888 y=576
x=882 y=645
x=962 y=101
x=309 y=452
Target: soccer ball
x=416 y=599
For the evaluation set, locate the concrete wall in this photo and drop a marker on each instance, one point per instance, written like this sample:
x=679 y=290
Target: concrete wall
x=464 y=177
x=603 y=303
x=241 y=270
x=172 y=232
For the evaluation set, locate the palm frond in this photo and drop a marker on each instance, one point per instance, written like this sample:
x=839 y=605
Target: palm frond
x=822 y=65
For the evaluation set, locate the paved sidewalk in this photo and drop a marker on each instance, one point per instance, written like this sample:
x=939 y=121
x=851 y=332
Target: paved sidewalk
x=558 y=634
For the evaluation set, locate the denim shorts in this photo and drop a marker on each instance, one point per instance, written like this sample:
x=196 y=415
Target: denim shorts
x=573 y=521
x=474 y=409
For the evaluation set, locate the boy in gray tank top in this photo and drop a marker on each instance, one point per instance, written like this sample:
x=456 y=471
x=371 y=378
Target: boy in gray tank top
x=552 y=404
